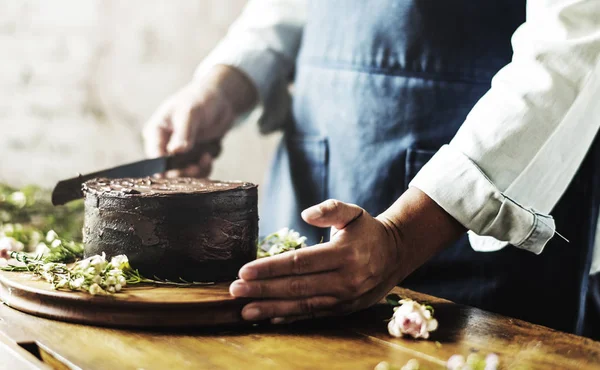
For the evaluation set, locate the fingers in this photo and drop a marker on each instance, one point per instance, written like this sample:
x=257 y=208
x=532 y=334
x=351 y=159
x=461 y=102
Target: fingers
x=323 y=284
x=184 y=124
x=156 y=134
x=284 y=308
x=332 y=213
x=318 y=258
x=288 y=311
x=201 y=169
x=291 y=319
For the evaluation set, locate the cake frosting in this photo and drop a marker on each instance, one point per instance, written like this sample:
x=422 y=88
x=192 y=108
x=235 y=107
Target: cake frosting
x=194 y=229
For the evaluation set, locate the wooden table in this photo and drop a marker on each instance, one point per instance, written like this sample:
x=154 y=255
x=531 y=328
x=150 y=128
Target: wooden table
x=359 y=341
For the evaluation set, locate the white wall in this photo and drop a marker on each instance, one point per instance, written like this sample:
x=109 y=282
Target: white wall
x=78 y=78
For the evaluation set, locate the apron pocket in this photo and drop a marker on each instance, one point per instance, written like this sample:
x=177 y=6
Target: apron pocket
x=415 y=160
x=308 y=156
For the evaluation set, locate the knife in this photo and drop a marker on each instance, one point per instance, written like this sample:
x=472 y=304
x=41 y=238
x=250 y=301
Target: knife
x=70 y=189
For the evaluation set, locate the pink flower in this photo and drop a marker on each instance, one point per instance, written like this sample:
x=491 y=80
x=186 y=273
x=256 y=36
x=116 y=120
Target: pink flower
x=412 y=318
x=7 y=245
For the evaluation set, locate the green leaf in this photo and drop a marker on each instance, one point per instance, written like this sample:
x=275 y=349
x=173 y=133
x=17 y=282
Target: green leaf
x=393 y=299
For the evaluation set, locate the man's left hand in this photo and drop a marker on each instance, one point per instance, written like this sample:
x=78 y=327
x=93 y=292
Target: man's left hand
x=354 y=270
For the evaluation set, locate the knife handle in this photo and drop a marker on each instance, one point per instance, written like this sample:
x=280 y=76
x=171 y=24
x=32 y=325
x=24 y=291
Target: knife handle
x=182 y=160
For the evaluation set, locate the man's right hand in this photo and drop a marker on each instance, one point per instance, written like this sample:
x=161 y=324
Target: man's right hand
x=201 y=111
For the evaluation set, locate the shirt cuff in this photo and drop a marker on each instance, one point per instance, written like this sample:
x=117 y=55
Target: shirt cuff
x=259 y=65
x=267 y=72
x=461 y=188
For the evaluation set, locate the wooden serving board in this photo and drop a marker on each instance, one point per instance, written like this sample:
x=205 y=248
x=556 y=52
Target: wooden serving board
x=137 y=306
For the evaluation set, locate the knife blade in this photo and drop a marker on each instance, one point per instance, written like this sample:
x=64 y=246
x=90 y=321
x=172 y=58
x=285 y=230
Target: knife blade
x=70 y=189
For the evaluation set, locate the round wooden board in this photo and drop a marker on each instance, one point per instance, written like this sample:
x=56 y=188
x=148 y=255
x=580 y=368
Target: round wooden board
x=138 y=306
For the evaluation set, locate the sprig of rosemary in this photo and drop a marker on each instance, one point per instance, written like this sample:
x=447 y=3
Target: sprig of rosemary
x=95 y=275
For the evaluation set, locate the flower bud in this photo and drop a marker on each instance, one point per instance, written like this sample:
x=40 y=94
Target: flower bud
x=51 y=236
x=455 y=362
x=95 y=289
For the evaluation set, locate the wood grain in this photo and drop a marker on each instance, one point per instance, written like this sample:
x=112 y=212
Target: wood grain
x=143 y=306
x=358 y=341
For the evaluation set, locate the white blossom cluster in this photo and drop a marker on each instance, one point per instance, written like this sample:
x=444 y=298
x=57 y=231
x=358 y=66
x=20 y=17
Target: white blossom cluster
x=8 y=242
x=474 y=361
x=281 y=241
x=96 y=275
x=17 y=199
x=412 y=364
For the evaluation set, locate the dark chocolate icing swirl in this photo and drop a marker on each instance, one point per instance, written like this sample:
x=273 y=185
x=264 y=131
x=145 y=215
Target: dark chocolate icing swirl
x=154 y=186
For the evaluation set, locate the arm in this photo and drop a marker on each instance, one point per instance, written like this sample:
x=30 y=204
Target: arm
x=252 y=63
x=263 y=44
x=516 y=145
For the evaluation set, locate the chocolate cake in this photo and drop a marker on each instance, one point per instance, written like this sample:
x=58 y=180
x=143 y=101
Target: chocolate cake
x=197 y=230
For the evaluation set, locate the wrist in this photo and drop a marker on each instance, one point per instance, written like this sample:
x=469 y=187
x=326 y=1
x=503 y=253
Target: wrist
x=236 y=88
x=420 y=229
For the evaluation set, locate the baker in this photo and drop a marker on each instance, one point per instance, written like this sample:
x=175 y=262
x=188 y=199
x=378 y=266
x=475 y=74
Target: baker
x=411 y=123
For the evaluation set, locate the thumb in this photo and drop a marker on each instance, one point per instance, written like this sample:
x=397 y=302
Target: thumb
x=332 y=213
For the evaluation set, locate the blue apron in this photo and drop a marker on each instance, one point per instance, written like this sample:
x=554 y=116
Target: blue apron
x=380 y=86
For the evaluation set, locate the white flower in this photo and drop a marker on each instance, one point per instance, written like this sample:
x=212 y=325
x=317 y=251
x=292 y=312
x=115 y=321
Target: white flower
x=111 y=280
x=18 y=199
x=120 y=262
x=122 y=281
x=383 y=365
x=95 y=289
x=62 y=283
x=111 y=289
x=8 y=229
x=412 y=318
x=97 y=279
x=56 y=243
x=41 y=249
x=98 y=262
x=77 y=283
x=118 y=287
x=455 y=362
x=412 y=364
x=283 y=233
x=474 y=361
x=47 y=267
x=51 y=236
x=281 y=241
x=492 y=361
x=7 y=245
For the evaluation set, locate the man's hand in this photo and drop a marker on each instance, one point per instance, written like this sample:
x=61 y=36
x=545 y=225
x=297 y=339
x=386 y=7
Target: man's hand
x=364 y=260
x=201 y=111
x=352 y=271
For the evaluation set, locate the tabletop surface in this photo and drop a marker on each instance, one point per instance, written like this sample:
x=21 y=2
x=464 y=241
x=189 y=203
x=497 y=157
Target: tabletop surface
x=358 y=341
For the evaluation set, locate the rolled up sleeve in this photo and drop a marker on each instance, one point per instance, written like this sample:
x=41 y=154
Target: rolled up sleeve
x=263 y=43
x=523 y=142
